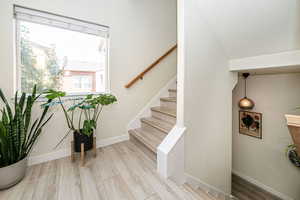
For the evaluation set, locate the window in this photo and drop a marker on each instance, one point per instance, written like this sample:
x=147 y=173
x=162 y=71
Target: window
x=82 y=82
x=60 y=53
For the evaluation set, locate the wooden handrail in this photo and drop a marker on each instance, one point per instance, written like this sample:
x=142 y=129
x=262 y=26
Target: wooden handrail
x=141 y=75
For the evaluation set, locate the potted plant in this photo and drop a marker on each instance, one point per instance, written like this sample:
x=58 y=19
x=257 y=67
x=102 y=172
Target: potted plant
x=18 y=134
x=293 y=122
x=293 y=155
x=84 y=126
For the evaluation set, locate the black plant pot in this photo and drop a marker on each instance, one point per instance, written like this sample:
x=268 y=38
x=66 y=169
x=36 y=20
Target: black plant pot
x=80 y=138
x=294 y=158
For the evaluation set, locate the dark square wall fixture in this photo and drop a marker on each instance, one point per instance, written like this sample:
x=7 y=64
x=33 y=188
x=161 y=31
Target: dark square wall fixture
x=250 y=123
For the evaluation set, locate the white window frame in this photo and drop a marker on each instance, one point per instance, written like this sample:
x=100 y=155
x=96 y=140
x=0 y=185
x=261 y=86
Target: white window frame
x=90 y=26
x=81 y=80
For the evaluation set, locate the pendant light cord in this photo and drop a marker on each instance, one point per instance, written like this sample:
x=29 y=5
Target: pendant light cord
x=245 y=87
x=245 y=75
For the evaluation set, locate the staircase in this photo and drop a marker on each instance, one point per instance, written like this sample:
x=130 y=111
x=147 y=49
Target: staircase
x=155 y=128
x=152 y=132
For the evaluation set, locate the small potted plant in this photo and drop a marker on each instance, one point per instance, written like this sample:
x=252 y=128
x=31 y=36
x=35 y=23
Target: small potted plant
x=293 y=150
x=18 y=134
x=89 y=109
x=293 y=122
x=293 y=155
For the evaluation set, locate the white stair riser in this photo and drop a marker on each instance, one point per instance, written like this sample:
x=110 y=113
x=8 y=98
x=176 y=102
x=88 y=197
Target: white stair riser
x=162 y=116
x=152 y=129
x=172 y=94
x=168 y=104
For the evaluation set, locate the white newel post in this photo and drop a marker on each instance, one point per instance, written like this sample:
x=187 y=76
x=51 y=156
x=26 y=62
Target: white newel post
x=170 y=153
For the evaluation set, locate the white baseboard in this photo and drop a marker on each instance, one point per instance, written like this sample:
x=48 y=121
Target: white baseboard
x=262 y=186
x=66 y=152
x=112 y=140
x=155 y=101
x=195 y=182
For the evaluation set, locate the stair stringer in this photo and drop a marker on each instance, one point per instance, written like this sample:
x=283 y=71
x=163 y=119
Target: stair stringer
x=170 y=156
x=155 y=101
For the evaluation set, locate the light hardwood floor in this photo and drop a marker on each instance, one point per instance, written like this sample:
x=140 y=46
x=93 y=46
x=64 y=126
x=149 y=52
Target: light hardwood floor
x=120 y=172
x=244 y=190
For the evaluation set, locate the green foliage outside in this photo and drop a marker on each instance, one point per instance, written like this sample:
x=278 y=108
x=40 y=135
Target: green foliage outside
x=47 y=76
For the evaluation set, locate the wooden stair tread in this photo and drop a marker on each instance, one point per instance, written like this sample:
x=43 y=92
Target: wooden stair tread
x=169 y=99
x=158 y=124
x=172 y=90
x=165 y=110
x=148 y=138
x=154 y=129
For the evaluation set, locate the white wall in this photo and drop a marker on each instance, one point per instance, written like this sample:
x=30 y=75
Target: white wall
x=141 y=31
x=265 y=160
x=207 y=103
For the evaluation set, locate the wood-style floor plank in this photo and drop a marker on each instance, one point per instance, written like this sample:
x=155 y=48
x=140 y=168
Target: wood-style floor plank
x=117 y=189
x=130 y=172
x=153 y=197
x=119 y=172
x=148 y=172
x=102 y=166
x=244 y=190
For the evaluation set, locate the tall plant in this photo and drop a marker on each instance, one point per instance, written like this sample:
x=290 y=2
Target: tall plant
x=18 y=133
x=89 y=109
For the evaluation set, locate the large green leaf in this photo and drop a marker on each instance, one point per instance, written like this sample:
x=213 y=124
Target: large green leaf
x=6 y=105
x=53 y=94
x=73 y=107
x=22 y=101
x=88 y=127
x=4 y=147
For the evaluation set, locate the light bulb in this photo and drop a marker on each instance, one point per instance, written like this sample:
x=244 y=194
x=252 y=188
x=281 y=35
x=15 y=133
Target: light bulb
x=246 y=103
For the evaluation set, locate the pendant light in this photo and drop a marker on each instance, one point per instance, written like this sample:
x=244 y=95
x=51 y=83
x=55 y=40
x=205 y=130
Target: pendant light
x=246 y=103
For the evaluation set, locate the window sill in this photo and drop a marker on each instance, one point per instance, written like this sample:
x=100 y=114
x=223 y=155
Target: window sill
x=70 y=96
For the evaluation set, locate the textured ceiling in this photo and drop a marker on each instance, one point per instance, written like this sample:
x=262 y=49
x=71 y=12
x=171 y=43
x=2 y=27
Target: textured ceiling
x=254 y=27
